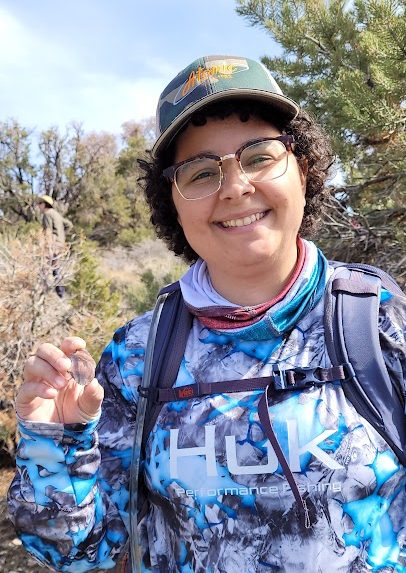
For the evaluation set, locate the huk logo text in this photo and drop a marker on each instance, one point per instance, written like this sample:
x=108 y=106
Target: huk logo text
x=209 y=452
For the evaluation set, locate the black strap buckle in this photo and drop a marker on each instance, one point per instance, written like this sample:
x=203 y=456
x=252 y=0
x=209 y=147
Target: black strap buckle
x=296 y=378
x=149 y=393
x=279 y=379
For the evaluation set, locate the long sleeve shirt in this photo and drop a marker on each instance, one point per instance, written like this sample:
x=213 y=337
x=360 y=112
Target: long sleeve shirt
x=218 y=498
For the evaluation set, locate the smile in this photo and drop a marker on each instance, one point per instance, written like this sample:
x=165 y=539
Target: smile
x=244 y=221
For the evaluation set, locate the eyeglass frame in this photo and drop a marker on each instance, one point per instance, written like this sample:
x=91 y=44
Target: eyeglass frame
x=169 y=172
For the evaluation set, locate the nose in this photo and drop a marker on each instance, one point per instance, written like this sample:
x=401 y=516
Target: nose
x=234 y=182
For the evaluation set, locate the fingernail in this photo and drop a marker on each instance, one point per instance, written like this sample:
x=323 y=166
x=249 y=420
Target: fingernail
x=60 y=381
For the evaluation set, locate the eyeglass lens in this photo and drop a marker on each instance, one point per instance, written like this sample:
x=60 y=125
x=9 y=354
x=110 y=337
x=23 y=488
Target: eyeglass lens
x=260 y=161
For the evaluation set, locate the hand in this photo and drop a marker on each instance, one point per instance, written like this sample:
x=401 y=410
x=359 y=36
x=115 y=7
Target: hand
x=50 y=394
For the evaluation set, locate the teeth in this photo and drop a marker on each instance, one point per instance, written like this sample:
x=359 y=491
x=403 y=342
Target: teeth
x=243 y=222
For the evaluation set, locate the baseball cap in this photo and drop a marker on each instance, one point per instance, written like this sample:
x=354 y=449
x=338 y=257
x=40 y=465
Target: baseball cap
x=214 y=78
x=46 y=199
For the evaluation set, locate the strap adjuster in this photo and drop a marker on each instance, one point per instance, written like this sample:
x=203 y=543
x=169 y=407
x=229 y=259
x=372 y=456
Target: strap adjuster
x=149 y=393
x=296 y=378
x=280 y=379
x=305 y=377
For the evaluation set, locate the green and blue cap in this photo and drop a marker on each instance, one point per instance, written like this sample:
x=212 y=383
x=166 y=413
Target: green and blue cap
x=211 y=79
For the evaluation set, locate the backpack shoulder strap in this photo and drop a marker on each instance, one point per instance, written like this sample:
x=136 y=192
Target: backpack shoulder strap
x=352 y=336
x=138 y=499
x=170 y=343
x=387 y=281
x=167 y=344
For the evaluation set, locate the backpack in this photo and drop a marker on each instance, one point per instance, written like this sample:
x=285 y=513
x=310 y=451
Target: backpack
x=352 y=291
x=353 y=346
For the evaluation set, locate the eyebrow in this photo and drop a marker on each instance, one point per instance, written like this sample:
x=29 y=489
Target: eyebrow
x=203 y=153
x=208 y=152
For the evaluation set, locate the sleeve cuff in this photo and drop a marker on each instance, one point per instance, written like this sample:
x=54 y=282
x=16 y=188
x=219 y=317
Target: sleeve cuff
x=57 y=431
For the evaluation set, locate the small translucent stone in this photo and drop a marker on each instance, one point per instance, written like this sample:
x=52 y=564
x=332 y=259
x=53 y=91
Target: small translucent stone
x=83 y=367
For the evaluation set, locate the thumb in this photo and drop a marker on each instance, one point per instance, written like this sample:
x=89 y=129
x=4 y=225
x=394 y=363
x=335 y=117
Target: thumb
x=90 y=400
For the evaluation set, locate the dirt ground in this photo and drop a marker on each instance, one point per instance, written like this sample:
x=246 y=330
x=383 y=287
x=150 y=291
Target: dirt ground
x=13 y=558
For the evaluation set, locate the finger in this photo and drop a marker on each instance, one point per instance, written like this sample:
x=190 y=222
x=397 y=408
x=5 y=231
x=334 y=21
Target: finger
x=38 y=370
x=90 y=400
x=30 y=396
x=54 y=356
x=72 y=343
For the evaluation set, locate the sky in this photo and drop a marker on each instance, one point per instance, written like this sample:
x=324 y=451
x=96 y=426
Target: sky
x=105 y=62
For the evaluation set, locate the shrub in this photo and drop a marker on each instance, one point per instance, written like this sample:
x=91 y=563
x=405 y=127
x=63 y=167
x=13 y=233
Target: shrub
x=143 y=298
x=96 y=308
x=31 y=312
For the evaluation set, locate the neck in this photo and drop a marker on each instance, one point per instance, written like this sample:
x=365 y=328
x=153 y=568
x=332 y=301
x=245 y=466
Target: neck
x=251 y=286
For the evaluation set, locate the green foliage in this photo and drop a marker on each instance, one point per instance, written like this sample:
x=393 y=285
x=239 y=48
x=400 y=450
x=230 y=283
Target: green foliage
x=138 y=227
x=346 y=64
x=93 y=182
x=91 y=297
x=19 y=228
x=16 y=172
x=143 y=298
x=134 y=148
x=135 y=234
x=31 y=312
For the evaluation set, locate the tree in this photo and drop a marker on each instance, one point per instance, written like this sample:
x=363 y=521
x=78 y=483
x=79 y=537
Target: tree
x=17 y=172
x=345 y=62
x=54 y=153
x=93 y=182
x=78 y=170
x=148 y=130
x=70 y=163
x=135 y=141
x=93 y=191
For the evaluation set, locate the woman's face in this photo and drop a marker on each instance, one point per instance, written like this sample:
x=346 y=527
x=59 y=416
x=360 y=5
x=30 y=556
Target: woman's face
x=263 y=243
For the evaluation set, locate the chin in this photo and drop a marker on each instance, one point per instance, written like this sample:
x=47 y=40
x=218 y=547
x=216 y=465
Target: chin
x=256 y=257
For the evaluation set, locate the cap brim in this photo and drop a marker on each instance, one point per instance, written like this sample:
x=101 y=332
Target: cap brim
x=46 y=201
x=287 y=109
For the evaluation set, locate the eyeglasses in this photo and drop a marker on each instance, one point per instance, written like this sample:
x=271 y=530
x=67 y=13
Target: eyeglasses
x=260 y=160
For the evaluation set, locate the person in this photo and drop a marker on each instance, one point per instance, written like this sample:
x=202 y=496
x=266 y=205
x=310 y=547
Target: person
x=235 y=182
x=54 y=226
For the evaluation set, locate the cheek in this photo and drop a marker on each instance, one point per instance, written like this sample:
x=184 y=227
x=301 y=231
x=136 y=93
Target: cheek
x=278 y=192
x=291 y=192
x=183 y=214
x=287 y=197
x=189 y=216
x=192 y=213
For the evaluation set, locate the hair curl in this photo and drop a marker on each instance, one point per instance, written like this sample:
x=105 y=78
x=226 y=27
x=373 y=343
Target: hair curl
x=312 y=150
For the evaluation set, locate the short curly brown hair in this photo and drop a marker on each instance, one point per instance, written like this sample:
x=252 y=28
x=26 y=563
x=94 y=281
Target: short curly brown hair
x=312 y=150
